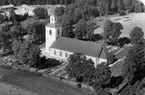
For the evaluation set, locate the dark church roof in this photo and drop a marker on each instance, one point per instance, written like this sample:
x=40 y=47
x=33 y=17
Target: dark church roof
x=123 y=52
x=78 y=46
x=53 y=25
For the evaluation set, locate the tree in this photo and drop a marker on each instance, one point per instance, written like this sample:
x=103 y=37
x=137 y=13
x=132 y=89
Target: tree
x=84 y=29
x=134 y=67
x=116 y=31
x=40 y=13
x=29 y=53
x=103 y=7
x=112 y=31
x=77 y=15
x=96 y=37
x=124 y=40
x=59 y=11
x=138 y=7
x=16 y=47
x=67 y=25
x=5 y=37
x=140 y=89
x=16 y=32
x=107 y=29
x=136 y=34
x=80 y=29
x=80 y=67
x=37 y=32
x=47 y=63
x=90 y=27
x=12 y=14
x=1 y=18
x=102 y=76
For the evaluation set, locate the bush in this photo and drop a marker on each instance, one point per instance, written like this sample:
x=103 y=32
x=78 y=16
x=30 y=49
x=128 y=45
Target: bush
x=47 y=63
x=123 y=41
x=122 y=13
x=79 y=85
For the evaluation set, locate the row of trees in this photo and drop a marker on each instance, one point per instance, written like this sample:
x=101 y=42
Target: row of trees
x=112 y=32
x=104 y=6
x=36 y=2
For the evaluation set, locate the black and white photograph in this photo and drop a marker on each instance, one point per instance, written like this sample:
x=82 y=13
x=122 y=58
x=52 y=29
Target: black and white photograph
x=72 y=47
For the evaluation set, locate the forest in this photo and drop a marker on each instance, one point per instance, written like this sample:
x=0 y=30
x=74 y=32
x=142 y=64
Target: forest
x=103 y=5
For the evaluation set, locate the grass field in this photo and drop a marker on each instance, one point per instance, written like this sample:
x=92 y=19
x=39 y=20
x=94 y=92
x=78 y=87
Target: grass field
x=128 y=21
x=38 y=84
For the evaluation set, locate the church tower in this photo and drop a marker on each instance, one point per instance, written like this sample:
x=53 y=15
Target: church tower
x=53 y=30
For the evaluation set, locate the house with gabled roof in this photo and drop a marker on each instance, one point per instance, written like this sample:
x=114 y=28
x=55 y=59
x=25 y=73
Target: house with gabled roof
x=61 y=47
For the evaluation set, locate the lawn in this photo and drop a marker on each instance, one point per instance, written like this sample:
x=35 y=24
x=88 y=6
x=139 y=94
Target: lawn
x=41 y=85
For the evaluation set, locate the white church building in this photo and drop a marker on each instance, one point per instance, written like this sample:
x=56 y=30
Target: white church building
x=60 y=47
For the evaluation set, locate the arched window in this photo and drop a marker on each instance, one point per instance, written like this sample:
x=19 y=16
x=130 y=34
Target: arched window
x=60 y=53
x=58 y=31
x=50 y=32
x=54 y=52
x=66 y=55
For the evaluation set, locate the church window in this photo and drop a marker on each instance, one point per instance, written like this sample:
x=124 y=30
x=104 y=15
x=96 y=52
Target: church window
x=58 y=31
x=50 y=32
x=54 y=52
x=60 y=53
x=66 y=55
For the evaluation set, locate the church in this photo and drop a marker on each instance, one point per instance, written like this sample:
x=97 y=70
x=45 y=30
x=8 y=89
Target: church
x=60 y=47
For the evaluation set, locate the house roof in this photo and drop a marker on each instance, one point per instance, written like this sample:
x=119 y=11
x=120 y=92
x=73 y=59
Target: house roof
x=74 y=45
x=53 y=25
x=117 y=67
x=123 y=52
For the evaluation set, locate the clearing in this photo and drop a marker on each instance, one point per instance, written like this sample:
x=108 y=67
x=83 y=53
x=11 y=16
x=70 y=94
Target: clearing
x=128 y=21
x=38 y=84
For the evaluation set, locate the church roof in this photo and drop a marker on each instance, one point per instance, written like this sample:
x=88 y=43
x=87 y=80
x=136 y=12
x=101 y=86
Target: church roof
x=53 y=25
x=78 y=46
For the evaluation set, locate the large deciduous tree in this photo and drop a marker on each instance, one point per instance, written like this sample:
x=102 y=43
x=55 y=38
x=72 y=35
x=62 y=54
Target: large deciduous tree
x=40 y=13
x=136 y=34
x=112 y=30
x=29 y=53
x=84 y=29
x=59 y=11
x=102 y=76
x=37 y=32
x=80 y=29
x=67 y=25
x=80 y=67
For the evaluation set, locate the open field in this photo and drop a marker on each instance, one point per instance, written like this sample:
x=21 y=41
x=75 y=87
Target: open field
x=39 y=84
x=128 y=21
x=6 y=89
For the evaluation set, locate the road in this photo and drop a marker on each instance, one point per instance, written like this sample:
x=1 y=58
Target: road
x=38 y=84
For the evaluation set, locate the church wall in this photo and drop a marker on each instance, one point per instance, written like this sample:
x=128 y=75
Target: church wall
x=102 y=60
x=63 y=57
